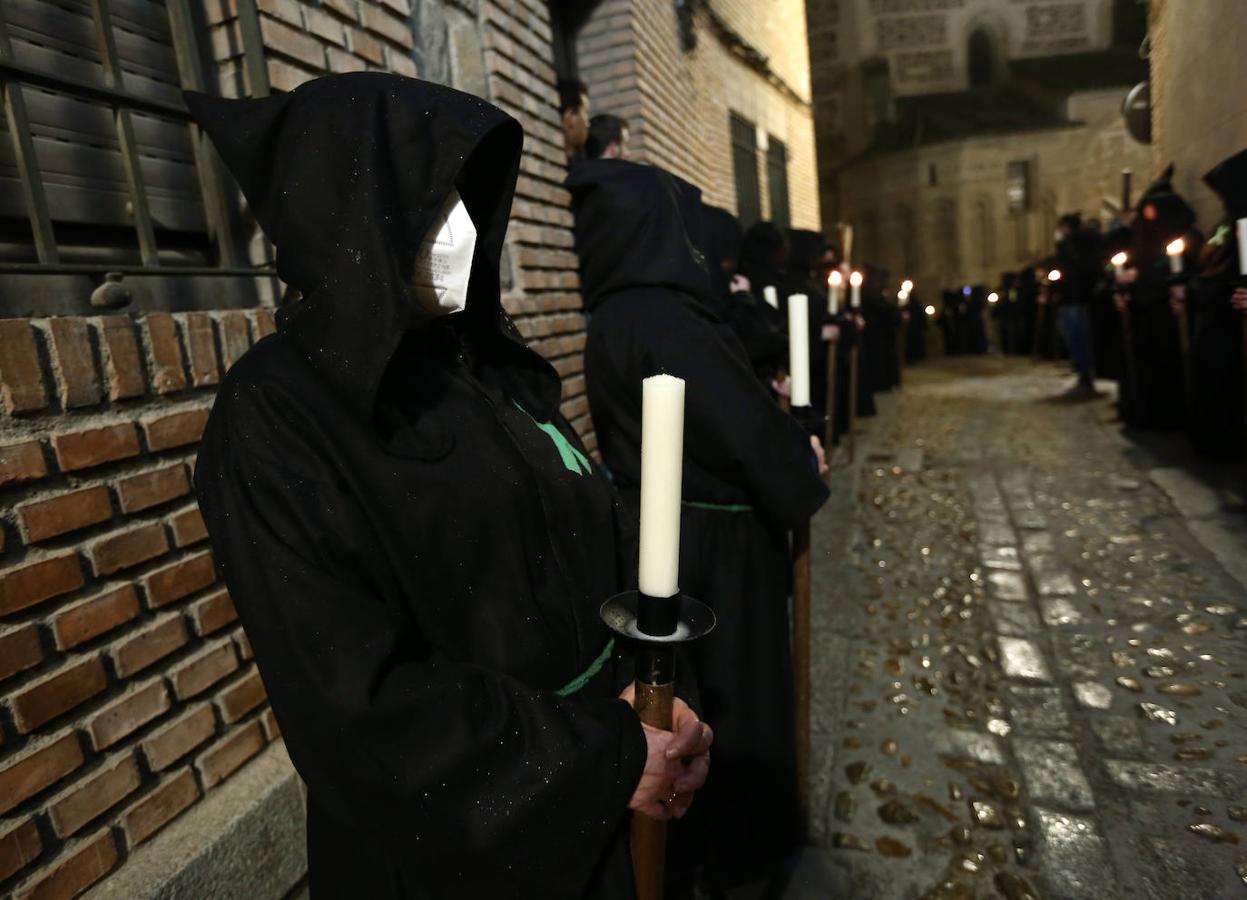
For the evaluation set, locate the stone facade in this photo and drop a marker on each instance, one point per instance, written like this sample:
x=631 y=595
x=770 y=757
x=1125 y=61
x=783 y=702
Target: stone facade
x=1199 y=107
x=128 y=694
x=678 y=102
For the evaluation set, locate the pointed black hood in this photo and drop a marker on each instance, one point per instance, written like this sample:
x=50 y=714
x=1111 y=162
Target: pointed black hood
x=637 y=226
x=1229 y=182
x=345 y=174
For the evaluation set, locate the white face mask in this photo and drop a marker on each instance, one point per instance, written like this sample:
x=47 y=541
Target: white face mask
x=443 y=264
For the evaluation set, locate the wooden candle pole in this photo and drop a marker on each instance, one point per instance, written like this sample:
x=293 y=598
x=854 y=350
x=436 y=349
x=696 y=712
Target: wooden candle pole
x=850 y=436
x=829 y=440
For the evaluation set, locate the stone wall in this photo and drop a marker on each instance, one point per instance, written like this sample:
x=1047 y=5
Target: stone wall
x=1200 y=107
x=958 y=230
x=678 y=101
x=128 y=696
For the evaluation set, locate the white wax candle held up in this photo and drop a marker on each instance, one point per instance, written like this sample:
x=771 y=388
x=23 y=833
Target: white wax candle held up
x=799 y=348
x=855 y=284
x=662 y=467
x=834 y=280
x=1119 y=264
x=771 y=296
x=1175 y=251
x=1242 y=247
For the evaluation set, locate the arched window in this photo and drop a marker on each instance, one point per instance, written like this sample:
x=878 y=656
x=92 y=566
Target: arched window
x=981 y=58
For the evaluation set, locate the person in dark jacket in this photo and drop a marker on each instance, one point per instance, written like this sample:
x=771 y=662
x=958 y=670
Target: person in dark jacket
x=1215 y=422
x=1079 y=254
x=750 y=475
x=415 y=539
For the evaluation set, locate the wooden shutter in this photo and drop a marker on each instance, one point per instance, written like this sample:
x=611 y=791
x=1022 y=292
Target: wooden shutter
x=745 y=168
x=777 y=182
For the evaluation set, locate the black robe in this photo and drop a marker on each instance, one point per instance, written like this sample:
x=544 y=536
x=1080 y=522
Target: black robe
x=748 y=477
x=416 y=560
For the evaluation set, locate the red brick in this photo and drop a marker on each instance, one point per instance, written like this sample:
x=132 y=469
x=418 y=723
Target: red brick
x=56 y=694
x=213 y=612
x=75 y=870
x=20 y=650
x=122 y=364
x=244 y=644
x=175 y=581
x=226 y=757
x=21 y=462
x=77 y=382
x=271 y=729
x=173 y=741
x=173 y=797
x=30 y=583
x=188 y=526
x=168 y=374
x=345 y=8
x=235 y=338
x=94 y=616
x=94 y=795
x=341 y=61
x=326 y=27
x=95 y=446
x=21 y=378
x=146 y=646
x=19 y=847
x=367 y=47
x=241 y=698
x=263 y=318
x=293 y=43
x=21 y=779
x=201 y=349
x=175 y=429
x=43 y=519
x=286 y=10
x=126 y=548
x=378 y=21
x=148 y=489
x=204 y=669
x=128 y=714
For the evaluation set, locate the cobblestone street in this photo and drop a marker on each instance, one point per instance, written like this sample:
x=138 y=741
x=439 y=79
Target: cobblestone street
x=1031 y=664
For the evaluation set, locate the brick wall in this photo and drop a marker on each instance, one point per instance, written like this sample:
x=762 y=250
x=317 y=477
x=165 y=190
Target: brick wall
x=128 y=688
x=678 y=102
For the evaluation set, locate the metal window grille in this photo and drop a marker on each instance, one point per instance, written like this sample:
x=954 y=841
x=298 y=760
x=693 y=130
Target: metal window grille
x=777 y=181
x=745 y=169
x=100 y=159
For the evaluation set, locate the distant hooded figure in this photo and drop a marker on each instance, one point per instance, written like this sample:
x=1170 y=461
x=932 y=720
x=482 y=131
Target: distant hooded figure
x=416 y=540
x=1215 y=422
x=749 y=476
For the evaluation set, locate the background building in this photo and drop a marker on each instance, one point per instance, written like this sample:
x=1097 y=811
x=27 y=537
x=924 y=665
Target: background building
x=717 y=92
x=953 y=133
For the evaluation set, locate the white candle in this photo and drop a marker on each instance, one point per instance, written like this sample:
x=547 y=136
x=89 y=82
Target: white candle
x=1119 y=264
x=1175 y=250
x=855 y=295
x=1242 y=246
x=834 y=280
x=771 y=296
x=662 y=458
x=799 y=348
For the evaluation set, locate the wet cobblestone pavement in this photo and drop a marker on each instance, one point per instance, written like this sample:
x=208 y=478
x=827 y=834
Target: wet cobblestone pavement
x=1031 y=678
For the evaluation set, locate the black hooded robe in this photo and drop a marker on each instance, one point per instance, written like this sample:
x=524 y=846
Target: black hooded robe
x=748 y=478
x=414 y=538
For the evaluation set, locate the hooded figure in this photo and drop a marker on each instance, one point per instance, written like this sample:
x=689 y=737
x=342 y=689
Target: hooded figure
x=414 y=537
x=1216 y=397
x=749 y=476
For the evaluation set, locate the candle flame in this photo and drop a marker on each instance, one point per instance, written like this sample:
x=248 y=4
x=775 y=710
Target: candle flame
x=1119 y=259
x=993 y=297
x=1177 y=248
x=856 y=279
x=835 y=279
x=903 y=296
x=930 y=310
x=907 y=285
x=1054 y=275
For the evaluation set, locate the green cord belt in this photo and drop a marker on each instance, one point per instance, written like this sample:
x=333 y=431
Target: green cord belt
x=594 y=667
x=721 y=507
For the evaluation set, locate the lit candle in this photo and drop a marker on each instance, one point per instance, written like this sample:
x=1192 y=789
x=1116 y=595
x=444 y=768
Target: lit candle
x=902 y=298
x=662 y=456
x=855 y=297
x=907 y=286
x=799 y=348
x=1119 y=264
x=930 y=310
x=1054 y=276
x=771 y=296
x=835 y=280
x=1242 y=246
x=993 y=297
x=1175 y=251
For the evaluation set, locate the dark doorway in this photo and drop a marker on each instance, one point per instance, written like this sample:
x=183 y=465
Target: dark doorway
x=982 y=58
